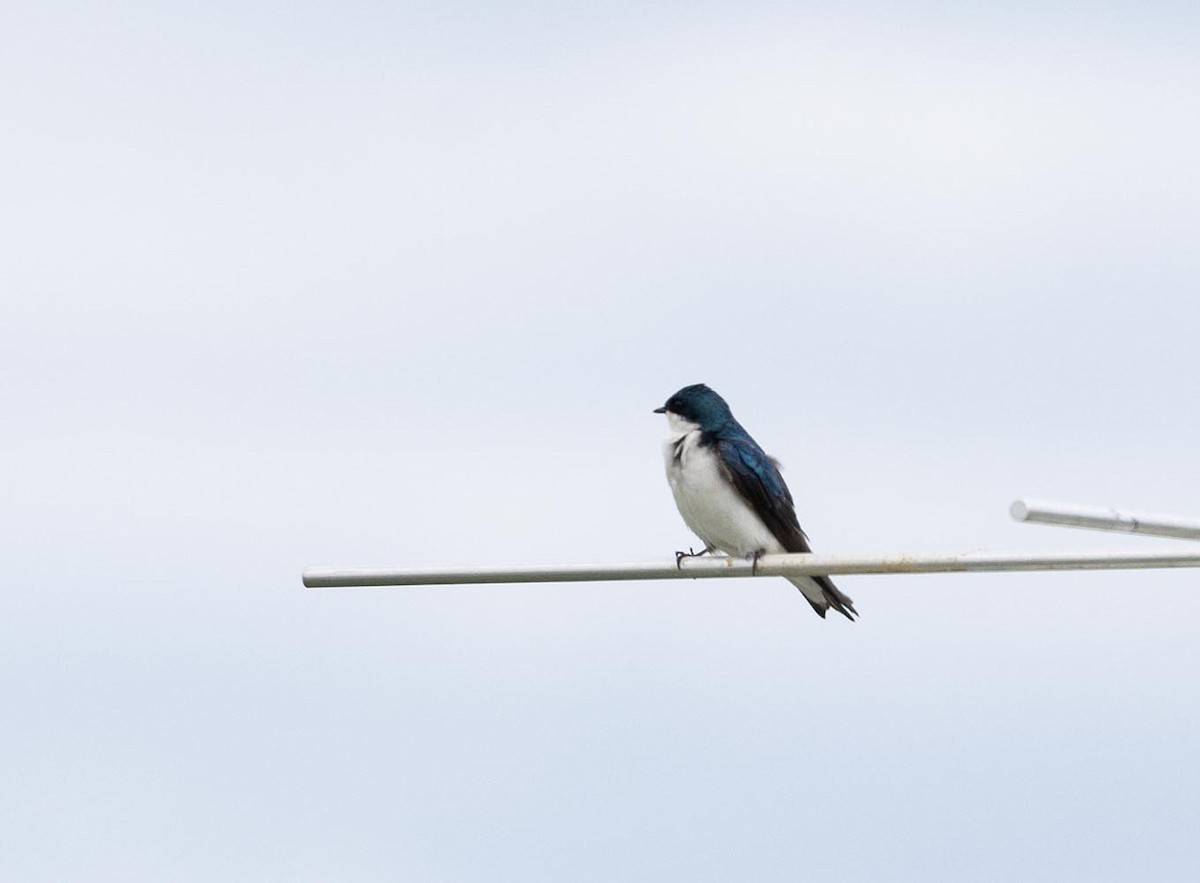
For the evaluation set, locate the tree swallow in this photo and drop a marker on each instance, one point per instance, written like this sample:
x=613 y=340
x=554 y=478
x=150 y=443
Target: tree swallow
x=731 y=494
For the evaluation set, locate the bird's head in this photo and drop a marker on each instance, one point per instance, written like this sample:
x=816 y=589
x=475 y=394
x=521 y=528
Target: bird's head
x=696 y=406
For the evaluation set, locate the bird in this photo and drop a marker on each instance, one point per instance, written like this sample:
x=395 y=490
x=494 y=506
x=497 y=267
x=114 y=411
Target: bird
x=731 y=494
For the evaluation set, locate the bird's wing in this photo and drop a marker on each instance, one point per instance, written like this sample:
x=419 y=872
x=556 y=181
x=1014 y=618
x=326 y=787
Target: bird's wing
x=756 y=477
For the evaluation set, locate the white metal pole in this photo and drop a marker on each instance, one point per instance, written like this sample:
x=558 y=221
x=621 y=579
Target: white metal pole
x=768 y=565
x=1099 y=518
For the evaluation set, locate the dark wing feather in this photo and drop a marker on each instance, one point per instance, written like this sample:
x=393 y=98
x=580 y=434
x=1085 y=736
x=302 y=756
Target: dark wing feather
x=757 y=479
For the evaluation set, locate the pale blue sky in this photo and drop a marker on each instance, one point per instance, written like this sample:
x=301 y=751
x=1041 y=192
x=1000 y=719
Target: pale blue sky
x=400 y=285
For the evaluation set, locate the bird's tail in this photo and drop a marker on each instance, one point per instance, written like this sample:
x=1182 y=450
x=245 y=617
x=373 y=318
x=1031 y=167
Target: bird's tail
x=821 y=593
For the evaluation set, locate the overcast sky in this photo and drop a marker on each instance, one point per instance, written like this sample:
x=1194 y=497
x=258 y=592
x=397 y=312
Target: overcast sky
x=399 y=285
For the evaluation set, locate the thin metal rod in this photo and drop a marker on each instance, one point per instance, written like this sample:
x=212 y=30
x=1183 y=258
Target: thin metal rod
x=1099 y=518
x=768 y=565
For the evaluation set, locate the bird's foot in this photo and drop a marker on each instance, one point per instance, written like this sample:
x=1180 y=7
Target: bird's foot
x=690 y=553
x=754 y=556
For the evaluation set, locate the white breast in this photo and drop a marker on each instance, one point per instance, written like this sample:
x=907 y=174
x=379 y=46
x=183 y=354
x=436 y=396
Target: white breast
x=709 y=504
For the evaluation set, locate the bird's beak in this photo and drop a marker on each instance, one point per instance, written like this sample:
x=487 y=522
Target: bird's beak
x=661 y=410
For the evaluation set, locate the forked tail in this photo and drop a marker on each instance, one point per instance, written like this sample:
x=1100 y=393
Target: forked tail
x=821 y=593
